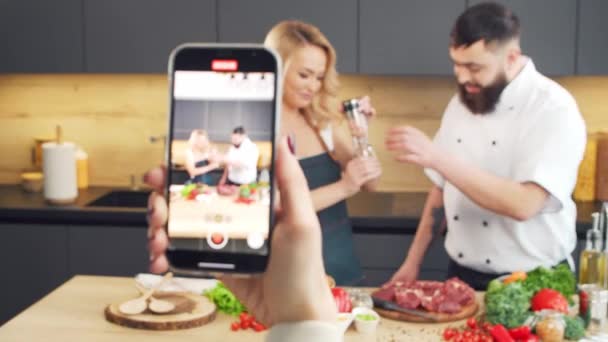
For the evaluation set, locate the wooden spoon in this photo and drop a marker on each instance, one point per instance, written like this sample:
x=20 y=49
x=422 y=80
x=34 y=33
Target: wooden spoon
x=156 y=305
x=139 y=305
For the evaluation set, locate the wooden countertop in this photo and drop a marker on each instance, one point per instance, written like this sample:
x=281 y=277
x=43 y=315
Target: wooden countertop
x=74 y=312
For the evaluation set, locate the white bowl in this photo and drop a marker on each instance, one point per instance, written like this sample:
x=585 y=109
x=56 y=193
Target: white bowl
x=344 y=321
x=363 y=326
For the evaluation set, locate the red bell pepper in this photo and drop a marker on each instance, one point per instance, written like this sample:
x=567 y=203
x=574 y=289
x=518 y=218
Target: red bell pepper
x=520 y=333
x=531 y=338
x=500 y=334
x=342 y=299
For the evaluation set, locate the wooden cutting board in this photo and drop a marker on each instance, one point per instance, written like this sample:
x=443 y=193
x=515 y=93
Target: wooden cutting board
x=466 y=312
x=190 y=311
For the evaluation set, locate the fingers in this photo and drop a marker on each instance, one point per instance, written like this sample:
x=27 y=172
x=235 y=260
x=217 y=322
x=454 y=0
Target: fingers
x=157 y=244
x=409 y=158
x=155 y=178
x=159 y=264
x=157 y=213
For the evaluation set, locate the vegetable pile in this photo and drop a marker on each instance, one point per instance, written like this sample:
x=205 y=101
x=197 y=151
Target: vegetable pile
x=509 y=302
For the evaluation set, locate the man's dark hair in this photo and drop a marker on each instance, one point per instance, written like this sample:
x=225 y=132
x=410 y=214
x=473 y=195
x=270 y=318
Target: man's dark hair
x=487 y=21
x=239 y=130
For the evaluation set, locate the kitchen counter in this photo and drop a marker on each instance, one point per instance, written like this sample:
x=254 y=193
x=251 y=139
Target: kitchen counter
x=378 y=212
x=74 y=312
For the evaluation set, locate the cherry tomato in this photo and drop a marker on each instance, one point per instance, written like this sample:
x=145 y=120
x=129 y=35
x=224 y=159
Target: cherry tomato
x=235 y=326
x=245 y=324
x=449 y=333
x=257 y=326
x=487 y=326
x=472 y=323
x=245 y=317
x=467 y=334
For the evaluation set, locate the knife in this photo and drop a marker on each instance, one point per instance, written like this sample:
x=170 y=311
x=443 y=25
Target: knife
x=388 y=305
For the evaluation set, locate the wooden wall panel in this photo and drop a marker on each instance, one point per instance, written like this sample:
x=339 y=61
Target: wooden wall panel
x=112 y=117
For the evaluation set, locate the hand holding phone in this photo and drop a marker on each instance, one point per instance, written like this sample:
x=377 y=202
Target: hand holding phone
x=295 y=273
x=224 y=110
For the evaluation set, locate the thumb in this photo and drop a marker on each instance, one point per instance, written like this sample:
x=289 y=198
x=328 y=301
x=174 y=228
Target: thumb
x=293 y=187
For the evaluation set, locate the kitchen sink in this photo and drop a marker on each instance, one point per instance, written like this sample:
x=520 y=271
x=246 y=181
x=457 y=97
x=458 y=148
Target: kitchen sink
x=122 y=198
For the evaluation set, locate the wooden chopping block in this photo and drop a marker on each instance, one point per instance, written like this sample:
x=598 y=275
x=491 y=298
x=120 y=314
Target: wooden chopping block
x=466 y=312
x=190 y=311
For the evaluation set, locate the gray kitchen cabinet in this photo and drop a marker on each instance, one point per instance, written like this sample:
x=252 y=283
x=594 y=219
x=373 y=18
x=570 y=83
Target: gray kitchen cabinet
x=406 y=37
x=249 y=21
x=548 y=33
x=382 y=254
x=34 y=260
x=41 y=36
x=108 y=250
x=137 y=36
x=592 y=38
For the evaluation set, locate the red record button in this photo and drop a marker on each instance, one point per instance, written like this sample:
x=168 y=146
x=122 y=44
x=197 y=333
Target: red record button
x=224 y=65
x=217 y=238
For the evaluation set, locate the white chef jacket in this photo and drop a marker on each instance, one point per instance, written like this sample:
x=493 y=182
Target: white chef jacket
x=247 y=153
x=536 y=134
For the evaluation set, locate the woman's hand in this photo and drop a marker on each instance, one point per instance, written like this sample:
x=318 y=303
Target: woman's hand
x=359 y=171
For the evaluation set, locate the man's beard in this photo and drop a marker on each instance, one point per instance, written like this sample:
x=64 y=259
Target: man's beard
x=485 y=101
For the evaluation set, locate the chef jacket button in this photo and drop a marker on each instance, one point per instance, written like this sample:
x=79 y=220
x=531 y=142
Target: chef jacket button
x=455 y=217
x=493 y=142
x=460 y=255
x=459 y=140
x=488 y=261
x=485 y=223
x=511 y=108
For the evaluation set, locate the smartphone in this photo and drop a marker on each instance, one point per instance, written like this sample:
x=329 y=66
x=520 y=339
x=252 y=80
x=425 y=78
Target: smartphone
x=224 y=113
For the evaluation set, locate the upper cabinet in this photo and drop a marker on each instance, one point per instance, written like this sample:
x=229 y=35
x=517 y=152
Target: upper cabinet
x=407 y=37
x=548 y=33
x=381 y=37
x=249 y=21
x=592 y=38
x=137 y=36
x=41 y=36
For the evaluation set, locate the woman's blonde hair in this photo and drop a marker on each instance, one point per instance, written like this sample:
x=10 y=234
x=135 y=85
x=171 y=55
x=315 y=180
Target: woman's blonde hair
x=286 y=37
x=194 y=136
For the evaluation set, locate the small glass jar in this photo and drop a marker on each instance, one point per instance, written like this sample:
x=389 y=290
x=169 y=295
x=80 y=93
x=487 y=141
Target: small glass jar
x=599 y=306
x=551 y=327
x=360 y=298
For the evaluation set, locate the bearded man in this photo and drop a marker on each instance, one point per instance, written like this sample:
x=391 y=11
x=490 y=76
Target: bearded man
x=503 y=163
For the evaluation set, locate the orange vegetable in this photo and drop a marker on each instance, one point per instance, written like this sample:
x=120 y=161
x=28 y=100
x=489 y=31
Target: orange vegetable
x=515 y=276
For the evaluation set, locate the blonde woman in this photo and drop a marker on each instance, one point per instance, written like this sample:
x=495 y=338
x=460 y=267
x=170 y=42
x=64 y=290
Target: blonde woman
x=200 y=157
x=311 y=114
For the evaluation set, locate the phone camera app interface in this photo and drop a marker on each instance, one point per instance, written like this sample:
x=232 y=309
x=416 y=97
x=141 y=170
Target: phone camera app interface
x=221 y=156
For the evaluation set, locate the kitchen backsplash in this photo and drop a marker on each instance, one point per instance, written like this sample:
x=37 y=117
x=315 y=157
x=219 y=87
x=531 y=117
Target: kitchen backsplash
x=112 y=117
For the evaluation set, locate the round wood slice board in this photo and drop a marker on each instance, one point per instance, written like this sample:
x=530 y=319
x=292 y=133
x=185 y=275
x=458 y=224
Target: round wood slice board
x=190 y=311
x=466 y=312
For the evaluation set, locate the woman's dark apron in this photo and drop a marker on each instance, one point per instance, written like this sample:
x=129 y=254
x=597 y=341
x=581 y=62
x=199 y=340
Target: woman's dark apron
x=338 y=248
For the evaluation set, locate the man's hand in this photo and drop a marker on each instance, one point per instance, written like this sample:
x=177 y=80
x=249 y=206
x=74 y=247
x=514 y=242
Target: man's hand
x=412 y=146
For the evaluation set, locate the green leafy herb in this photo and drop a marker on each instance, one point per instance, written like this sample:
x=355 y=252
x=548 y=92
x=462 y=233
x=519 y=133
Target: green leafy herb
x=508 y=305
x=575 y=328
x=225 y=300
x=560 y=278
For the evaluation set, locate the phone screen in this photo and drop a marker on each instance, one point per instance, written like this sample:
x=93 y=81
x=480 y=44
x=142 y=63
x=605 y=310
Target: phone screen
x=221 y=158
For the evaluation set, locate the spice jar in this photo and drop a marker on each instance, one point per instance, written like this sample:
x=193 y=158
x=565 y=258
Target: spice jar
x=360 y=298
x=551 y=327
